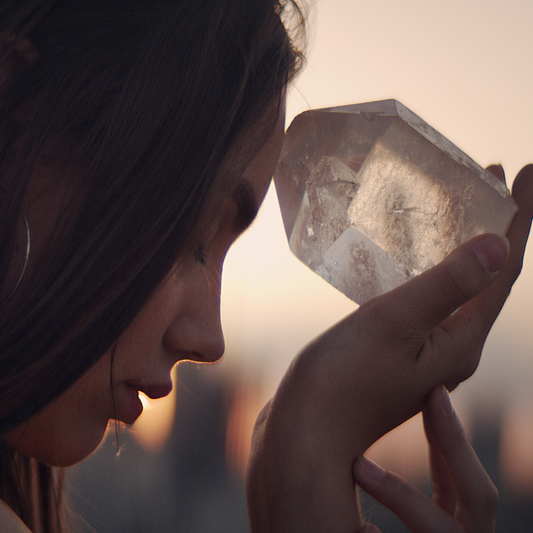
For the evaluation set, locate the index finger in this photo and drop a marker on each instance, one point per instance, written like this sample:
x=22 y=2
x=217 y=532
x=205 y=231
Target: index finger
x=413 y=309
x=445 y=313
x=491 y=301
x=465 y=331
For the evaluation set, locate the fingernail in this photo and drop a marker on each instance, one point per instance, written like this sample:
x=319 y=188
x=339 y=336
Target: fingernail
x=371 y=469
x=497 y=171
x=492 y=252
x=446 y=402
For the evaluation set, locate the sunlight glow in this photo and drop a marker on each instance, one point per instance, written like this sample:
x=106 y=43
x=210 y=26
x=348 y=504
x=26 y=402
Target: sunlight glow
x=244 y=409
x=153 y=427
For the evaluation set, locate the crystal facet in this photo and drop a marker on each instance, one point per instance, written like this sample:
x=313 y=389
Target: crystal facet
x=371 y=196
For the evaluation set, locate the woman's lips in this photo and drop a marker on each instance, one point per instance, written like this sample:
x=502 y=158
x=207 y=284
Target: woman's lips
x=154 y=391
x=131 y=407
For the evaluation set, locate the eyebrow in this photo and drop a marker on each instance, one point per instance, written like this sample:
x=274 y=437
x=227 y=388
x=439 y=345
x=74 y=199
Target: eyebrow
x=247 y=206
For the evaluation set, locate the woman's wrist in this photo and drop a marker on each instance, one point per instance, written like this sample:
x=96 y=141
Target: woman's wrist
x=300 y=472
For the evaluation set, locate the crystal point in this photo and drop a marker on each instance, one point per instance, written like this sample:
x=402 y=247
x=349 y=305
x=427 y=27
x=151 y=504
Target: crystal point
x=371 y=196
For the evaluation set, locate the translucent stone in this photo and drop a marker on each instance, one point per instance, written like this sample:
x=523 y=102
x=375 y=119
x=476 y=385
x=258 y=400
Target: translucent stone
x=371 y=196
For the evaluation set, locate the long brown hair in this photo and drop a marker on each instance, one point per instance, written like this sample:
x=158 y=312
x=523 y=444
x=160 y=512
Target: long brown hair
x=134 y=107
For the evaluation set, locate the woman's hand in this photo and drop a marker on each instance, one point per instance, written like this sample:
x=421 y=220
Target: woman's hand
x=371 y=372
x=464 y=497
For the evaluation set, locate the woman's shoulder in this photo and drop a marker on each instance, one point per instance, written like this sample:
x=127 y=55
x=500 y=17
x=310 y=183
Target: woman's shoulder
x=9 y=521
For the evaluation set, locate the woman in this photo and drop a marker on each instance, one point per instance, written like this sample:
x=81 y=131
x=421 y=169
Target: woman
x=127 y=131
x=137 y=142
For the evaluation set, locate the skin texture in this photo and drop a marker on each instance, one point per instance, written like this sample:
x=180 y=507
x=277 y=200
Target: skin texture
x=464 y=497
x=371 y=372
x=180 y=322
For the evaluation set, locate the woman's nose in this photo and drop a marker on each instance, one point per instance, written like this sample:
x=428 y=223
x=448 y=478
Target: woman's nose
x=196 y=332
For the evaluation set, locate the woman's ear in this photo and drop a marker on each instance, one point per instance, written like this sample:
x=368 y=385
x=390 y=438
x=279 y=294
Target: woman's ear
x=16 y=54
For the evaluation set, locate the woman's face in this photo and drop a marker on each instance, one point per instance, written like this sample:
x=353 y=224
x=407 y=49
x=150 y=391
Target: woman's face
x=180 y=322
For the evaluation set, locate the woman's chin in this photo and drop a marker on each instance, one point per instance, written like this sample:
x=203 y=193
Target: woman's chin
x=75 y=449
x=58 y=450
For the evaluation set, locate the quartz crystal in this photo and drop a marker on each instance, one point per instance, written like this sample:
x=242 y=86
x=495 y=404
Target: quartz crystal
x=371 y=196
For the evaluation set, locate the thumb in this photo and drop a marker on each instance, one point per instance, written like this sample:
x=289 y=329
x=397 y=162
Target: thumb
x=434 y=295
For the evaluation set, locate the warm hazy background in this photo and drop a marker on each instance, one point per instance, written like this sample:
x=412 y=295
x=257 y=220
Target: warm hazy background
x=465 y=67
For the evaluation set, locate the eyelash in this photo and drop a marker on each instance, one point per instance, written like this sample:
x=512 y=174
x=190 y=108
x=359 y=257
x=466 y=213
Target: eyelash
x=200 y=255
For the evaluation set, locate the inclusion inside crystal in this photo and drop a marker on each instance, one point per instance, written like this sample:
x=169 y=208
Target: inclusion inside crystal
x=371 y=196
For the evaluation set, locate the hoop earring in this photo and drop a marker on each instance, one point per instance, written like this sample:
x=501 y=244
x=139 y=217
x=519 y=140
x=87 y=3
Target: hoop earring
x=28 y=246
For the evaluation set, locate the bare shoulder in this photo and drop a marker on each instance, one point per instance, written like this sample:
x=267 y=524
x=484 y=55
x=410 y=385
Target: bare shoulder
x=9 y=521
